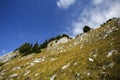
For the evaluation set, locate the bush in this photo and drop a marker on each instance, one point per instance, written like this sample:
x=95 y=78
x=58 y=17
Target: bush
x=25 y=49
x=65 y=35
x=36 y=48
x=44 y=45
x=86 y=29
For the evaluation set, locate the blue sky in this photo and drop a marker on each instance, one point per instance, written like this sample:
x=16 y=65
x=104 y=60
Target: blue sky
x=37 y=20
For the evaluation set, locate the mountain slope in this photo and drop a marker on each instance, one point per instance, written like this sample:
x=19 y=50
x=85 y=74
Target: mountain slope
x=90 y=56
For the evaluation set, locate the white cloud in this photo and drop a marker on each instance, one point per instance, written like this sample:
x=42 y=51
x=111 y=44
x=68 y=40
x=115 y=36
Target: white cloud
x=65 y=3
x=97 y=1
x=95 y=14
x=2 y=52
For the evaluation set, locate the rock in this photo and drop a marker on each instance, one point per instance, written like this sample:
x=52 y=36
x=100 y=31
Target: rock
x=53 y=59
x=9 y=56
x=38 y=60
x=14 y=75
x=88 y=74
x=53 y=77
x=91 y=60
x=63 y=40
x=111 y=53
x=111 y=65
x=36 y=74
x=66 y=66
x=26 y=73
x=54 y=43
x=75 y=63
x=17 y=68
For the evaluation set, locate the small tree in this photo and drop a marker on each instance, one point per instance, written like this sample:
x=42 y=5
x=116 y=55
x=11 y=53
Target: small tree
x=86 y=29
x=36 y=48
x=44 y=44
x=25 y=49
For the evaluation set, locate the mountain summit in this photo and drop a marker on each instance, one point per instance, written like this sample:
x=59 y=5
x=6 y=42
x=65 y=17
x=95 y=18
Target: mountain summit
x=93 y=55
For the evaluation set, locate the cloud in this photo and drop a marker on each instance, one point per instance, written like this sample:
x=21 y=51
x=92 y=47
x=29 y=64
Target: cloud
x=65 y=3
x=97 y=1
x=2 y=52
x=95 y=14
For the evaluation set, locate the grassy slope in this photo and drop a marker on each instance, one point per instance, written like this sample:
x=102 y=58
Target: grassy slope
x=80 y=68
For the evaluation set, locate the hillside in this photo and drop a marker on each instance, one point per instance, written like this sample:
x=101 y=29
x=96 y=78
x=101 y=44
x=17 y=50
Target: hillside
x=94 y=55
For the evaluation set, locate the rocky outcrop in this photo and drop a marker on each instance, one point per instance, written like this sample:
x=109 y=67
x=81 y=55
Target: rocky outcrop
x=63 y=40
x=9 y=56
x=57 y=42
x=57 y=46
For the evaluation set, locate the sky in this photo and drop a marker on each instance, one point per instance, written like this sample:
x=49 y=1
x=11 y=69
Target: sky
x=37 y=20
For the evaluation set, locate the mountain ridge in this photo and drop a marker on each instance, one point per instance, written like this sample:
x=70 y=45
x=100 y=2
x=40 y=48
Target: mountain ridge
x=93 y=55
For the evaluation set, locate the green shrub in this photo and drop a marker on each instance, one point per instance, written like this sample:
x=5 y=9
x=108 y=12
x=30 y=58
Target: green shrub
x=44 y=44
x=36 y=48
x=25 y=49
x=65 y=35
x=86 y=29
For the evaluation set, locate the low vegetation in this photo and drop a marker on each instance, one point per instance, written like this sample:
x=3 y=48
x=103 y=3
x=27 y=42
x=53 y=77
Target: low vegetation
x=86 y=29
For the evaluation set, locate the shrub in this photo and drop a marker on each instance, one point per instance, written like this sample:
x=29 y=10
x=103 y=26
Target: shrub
x=25 y=49
x=36 y=48
x=86 y=29
x=44 y=44
x=65 y=35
